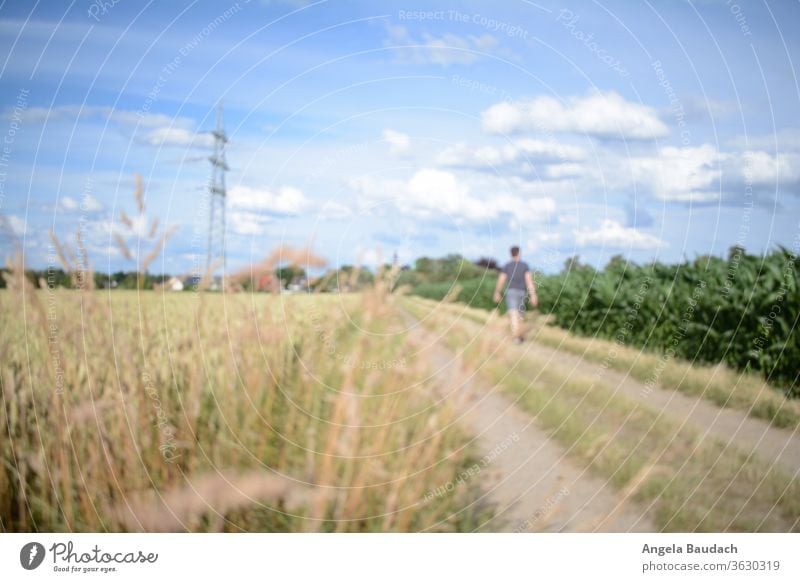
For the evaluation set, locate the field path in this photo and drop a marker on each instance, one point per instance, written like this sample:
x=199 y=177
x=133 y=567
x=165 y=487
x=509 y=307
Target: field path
x=530 y=481
x=732 y=427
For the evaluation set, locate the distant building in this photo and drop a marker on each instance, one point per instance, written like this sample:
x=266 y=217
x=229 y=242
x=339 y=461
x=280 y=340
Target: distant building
x=174 y=284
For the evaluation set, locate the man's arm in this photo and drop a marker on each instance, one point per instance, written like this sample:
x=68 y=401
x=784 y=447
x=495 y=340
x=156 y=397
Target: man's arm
x=501 y=281
x=531 y=289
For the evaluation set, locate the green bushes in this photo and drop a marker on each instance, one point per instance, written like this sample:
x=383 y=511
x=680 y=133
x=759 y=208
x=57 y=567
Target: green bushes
x=476 y=292
x=742 y=311
x=452 y=276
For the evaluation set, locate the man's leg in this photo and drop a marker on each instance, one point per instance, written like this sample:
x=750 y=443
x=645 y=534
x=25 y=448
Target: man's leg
x=516 y=323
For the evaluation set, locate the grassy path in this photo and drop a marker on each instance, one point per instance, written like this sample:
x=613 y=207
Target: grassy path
x=531 y=484
x=731 y=426
x=695 y=466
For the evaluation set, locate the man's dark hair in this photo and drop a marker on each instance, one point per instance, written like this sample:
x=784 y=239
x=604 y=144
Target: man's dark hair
x=515 y=251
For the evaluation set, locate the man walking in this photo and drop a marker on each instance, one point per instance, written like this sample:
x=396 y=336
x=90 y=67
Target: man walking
x=519 y=278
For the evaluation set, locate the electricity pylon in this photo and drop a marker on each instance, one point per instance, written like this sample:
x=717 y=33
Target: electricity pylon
x=217 y=199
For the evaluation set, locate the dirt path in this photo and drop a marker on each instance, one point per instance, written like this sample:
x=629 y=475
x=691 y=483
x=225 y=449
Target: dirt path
x=778 y=447
x=533 y=486
x=732 y=427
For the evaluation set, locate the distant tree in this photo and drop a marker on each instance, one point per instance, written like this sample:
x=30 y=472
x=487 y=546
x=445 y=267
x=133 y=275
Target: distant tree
x=423 y=265
x=488 y=263
x=618 y=265
x=345 y=278
x=288 y=273
x=574 y=264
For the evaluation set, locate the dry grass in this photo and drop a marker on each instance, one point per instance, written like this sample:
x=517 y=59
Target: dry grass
x=155 y=411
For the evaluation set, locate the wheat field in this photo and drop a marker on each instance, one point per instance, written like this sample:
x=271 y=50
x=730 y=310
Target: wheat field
x=150 y=411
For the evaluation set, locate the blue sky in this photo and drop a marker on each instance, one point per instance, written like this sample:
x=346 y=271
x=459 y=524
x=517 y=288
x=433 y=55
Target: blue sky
x=661 y=129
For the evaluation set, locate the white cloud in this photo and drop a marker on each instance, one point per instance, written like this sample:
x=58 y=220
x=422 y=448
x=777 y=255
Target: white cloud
x=562 y=171
x=432 y=194
x=543 y=240
x=90 y=203
x=332 y=210
x=60 y=113
x=68 y=203
x=87 y=204
x=177 y=137
x=527 y=158
x=599 y=114
x=252 y=209
x=399 y=143
x=612 y=234
x=286 y=201
x=17 y=225
x=448 y=49
x=73 y=113
x=159 y=129
x=520 y=153
x=765 y=169
x=680 y=174
x=246 y=222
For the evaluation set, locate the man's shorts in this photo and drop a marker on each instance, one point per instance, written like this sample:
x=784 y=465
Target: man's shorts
x=515 y=299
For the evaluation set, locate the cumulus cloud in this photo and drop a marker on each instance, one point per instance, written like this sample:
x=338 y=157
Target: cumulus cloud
x=246 y=222
x=332 y=210
x=432 y=194
x=611 y=234
x=399 y=143
x=14 y=224
x=606 y=115
x=700 y=174
x=68 y=203
x=251 y=209
x=153 y=129
x=762 y=168
x=73 y=113
x=88 y=203
x=286 y=201
x=680 y=174
x=564 y=171
x=445 y=50
x=542 y=240
x=544 y=160
x=521 y=153
x=177 y=137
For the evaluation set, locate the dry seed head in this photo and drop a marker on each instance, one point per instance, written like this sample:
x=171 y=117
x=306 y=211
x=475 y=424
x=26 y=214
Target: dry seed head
x=125 y=219
x=122 y=246
x=138 y=193
x=153 y=228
